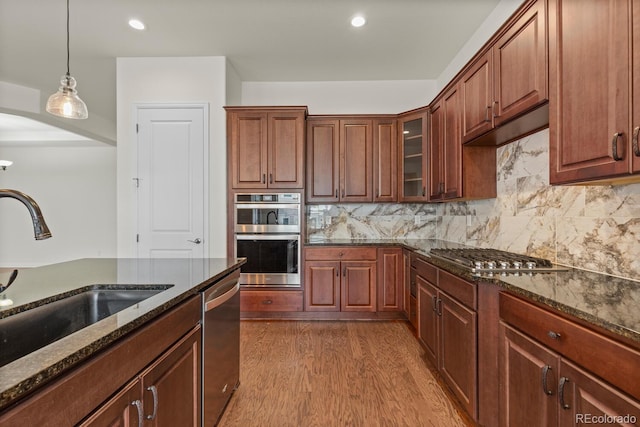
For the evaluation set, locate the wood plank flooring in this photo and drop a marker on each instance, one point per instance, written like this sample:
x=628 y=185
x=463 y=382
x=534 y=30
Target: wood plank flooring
x=335 y=373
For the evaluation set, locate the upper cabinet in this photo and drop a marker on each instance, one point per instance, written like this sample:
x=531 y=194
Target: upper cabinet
x=445 y=148
x=266 y=147
x=339 y=159
x=385 y=160
x=412 y=171
x=507 y=80
x=594 y=89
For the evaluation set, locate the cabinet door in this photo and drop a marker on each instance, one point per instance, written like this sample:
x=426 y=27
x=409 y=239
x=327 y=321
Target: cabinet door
x=458 y=359
x=356 y=160
x=323 y=164
x=412 y=173
x=322 y=286
x=477 y=98
x=452 y=146
x=248 y=146
x=428 y=318
x=390 y=279
x=358 y=286
x=123 y=410
x=436 y=150
x=588 y=89
x=385 y=172
x=520 y=65
x=171 y=386
x=286 y=146
x=585 y=398
x=528 y=381
x=635 y=123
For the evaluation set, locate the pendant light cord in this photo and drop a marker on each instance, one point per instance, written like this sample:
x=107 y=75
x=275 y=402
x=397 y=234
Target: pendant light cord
x=68 y=72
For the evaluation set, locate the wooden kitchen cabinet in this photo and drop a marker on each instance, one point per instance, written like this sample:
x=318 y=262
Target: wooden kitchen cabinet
x=340 y=279
x=167 y=393
x=548 y=379
x=100 y=386
x=339 y=160
x=448 y=329
x=390 y=279
x=412 y=166
x=385 y=160
x=445 y=148
x=508 y=79
x=594 y=86
x=266 y=147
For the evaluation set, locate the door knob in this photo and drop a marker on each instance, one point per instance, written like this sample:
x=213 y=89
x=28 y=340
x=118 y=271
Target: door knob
x=197 y=241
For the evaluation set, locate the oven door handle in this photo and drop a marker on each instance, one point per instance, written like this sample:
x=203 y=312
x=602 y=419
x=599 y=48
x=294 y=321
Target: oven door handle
x=219 y=300
x=267 y=236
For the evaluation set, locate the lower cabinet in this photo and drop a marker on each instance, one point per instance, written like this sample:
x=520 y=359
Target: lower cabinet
x=340 y=279
x=270 y=300
x=390 y=279
x=541 y=384
x=165 y=394
x=448 y=331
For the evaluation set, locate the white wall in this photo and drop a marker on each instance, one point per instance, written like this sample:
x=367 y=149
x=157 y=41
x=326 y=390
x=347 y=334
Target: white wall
x=162 y=81
x=494 y=21
x=348 y=97
x=75 y=188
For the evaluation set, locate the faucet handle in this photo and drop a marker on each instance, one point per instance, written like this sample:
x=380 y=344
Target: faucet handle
x=12 y=278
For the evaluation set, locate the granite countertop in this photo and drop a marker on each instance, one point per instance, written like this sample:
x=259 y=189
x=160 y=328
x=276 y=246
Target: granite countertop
x=40 y=285
x=602 y=300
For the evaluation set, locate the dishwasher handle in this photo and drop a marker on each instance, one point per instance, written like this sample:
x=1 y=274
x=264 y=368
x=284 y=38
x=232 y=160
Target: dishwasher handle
x=219 y=300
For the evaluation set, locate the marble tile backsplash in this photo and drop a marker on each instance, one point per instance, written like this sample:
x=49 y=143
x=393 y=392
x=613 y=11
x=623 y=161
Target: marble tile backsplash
x=595 y=228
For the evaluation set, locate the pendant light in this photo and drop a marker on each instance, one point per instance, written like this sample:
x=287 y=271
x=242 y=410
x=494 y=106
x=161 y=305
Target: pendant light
x=66 y=102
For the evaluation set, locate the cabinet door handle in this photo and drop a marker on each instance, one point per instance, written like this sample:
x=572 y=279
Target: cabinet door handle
x=344 y=271
x=154 y=391
x=270 y=178
x=563 y=382
x=264 y=178
x=138 y=406
x=614 y=146
x=336 y=193
x=424 y=191
x=636 y=149
x=493 y=109
x=545 y=375
x=486 y=113
x=434 y=301
x=439 y=312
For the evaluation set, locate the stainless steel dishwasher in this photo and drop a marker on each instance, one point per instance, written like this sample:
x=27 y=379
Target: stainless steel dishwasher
x=220 y=346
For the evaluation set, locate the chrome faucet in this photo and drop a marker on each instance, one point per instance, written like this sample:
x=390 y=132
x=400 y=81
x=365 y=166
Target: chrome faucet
x=40 y=228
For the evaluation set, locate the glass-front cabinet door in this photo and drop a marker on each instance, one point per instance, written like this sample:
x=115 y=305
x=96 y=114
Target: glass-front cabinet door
x=413 y=161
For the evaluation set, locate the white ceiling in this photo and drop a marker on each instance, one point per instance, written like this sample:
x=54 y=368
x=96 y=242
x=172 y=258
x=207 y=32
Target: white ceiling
x=265 y=40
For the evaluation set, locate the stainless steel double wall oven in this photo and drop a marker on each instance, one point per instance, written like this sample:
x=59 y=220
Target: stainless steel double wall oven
x=267 y=233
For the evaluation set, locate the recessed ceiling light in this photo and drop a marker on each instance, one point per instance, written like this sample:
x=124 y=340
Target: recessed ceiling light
x=136 y=24
x=358 y=21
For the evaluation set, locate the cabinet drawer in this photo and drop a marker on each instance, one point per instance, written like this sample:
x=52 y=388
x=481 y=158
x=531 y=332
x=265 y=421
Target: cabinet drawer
x=424 y=269
x=460 y=289
x=340 y=253
x=270 y=300
x=609 y=359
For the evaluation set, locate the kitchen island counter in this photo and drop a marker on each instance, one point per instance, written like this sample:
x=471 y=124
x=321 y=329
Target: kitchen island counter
x=598 y=299
x=41 y=285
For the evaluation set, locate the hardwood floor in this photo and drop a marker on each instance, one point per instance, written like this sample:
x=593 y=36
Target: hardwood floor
x=335 y=373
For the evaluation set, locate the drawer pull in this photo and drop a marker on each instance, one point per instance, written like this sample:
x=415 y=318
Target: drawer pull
x=554 y=335
x=563 y=382
x=267 y=302
x=545 y=375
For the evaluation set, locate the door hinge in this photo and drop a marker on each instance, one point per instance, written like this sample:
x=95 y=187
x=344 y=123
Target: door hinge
x=137 y=238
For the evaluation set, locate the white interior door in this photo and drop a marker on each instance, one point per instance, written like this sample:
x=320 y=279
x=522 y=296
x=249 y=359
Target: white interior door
x=171 y=182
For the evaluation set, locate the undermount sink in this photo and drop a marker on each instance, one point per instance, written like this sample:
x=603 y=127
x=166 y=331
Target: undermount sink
x=30 y=330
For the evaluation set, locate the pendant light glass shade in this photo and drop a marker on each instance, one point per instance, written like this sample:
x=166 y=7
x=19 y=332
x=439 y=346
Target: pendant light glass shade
x=66 y=102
